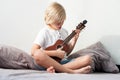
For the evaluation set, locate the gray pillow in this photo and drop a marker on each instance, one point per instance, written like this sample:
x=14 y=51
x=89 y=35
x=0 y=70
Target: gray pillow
x=14 y=58
x=101 y=58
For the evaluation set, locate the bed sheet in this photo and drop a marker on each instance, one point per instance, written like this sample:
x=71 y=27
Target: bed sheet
x=12 y=74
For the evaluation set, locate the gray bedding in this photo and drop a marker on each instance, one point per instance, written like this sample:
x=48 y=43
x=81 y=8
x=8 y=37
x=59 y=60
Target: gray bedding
x=10 y=74
x=101 y=58
x=101 y=61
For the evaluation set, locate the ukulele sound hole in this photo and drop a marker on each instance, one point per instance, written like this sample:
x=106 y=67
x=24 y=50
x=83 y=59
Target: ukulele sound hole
x=59 y=46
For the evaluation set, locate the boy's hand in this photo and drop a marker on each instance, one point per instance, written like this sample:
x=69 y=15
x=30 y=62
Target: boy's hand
x=60 y=53
x=77 y=33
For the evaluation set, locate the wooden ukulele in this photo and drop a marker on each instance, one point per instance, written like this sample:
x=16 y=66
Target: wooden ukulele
x=63 y=43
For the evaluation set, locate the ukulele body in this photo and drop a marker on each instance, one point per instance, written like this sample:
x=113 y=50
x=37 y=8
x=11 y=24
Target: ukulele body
x=57 y=45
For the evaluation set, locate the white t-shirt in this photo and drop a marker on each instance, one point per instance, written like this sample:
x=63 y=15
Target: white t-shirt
x=47 y=36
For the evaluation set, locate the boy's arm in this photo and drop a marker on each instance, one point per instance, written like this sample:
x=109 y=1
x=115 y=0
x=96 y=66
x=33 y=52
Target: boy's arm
x=53 y=53
x=73 y=41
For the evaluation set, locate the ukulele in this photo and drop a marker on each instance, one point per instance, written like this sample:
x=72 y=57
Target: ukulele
x=63 y=43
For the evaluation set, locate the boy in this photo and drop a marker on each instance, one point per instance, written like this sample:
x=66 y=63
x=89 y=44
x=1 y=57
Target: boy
x=53 y=31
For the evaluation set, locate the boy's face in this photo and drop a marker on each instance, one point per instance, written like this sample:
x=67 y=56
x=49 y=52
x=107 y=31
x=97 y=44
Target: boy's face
x=56 y=25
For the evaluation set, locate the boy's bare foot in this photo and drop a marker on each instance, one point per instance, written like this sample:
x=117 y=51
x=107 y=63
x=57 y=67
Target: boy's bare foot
x=83 y=70
x=51 y=69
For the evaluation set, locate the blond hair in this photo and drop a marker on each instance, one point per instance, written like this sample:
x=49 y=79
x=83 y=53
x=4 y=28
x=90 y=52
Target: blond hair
x=55 y=13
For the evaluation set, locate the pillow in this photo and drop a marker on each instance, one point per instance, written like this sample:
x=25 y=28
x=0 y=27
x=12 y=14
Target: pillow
x=101 y=58
x=14 y=58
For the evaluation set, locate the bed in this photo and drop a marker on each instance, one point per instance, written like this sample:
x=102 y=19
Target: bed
x=102 y=62
x=11 y=74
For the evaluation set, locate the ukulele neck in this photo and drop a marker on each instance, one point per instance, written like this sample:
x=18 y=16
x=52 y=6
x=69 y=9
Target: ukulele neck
x=69 y=38
x=80 y=26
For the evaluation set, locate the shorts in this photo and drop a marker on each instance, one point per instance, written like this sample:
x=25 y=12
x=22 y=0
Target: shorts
x=64 y=61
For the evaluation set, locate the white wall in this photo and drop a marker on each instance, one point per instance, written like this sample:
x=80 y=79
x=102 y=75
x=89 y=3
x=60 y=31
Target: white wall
x=103 y=25
x=20 y=21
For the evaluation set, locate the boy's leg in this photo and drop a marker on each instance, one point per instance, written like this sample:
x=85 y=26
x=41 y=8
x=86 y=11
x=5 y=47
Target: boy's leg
x=79 y=62
x=44 y=60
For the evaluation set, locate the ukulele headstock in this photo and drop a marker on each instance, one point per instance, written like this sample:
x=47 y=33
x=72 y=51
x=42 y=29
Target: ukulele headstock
x=81 y=25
